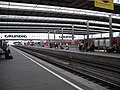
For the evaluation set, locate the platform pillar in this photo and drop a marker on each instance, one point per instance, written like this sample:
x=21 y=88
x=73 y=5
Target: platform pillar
x=72 y=34
x=62 y=35
x=88 y=32
x=101 y=35
x=110 y=30
x=54 y=35
x=49 y=38
x=84 y=40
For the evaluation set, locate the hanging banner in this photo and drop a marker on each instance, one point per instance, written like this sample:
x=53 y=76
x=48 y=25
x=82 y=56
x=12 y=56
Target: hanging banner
x=106 y=4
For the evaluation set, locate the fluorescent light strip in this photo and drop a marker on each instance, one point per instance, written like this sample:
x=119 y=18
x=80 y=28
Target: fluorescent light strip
x=53 y=9
x=103 y=28
x=91 y=26
x=49 y=24
x=29 y=27
x=44 y=30
x=103 y=23
x=49 y=28
x=82 y=29
x=25 y=29
x=97 y=27
x=93 y=30
x=65 y=31
x=55 y=29
x=26 y=23
x=41 y=9
x=40 y=18
x=116 y=17
x=81 y=26
x=54 y=19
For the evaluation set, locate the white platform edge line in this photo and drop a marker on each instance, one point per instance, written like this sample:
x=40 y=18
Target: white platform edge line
x=60 y=77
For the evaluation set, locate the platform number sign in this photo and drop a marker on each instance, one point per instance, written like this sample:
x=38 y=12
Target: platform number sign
x=106 y=4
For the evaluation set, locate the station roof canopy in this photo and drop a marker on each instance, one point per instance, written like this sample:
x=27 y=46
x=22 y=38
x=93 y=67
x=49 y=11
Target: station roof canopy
x=49 y=15
x=79 y=4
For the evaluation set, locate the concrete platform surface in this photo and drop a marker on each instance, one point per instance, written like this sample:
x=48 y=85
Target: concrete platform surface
x=20 y=73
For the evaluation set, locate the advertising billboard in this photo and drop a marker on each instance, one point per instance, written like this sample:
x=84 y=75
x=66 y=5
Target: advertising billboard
x=106 y=4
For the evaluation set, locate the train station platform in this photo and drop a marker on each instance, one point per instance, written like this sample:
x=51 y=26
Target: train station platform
x=96 y=52
x=23 y=73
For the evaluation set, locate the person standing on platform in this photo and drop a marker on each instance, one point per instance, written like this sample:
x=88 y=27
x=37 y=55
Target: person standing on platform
x=67 y=47
x=92 y=47
x=56 y=46
x=81 y=46
x=4 y=47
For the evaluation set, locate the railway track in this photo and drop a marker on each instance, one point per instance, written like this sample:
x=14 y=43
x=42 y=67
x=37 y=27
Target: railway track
x=105 y=75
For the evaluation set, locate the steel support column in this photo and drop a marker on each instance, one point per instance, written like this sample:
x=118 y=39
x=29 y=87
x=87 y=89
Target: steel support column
x=54 y=35
x=84 y=40
x=62 y=35
x=49 y=38
x=110 y=30
x=73 y=34
x=101 y=35
x=88 y=31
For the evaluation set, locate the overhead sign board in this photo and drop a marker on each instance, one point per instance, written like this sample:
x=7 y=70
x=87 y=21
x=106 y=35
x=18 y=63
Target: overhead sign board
x=106 y=4
x=19 y=36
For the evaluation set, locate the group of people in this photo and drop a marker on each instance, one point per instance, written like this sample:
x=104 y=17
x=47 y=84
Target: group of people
x=66 y=46
x=86 y=47
x=114 y=49
x=61 y=46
